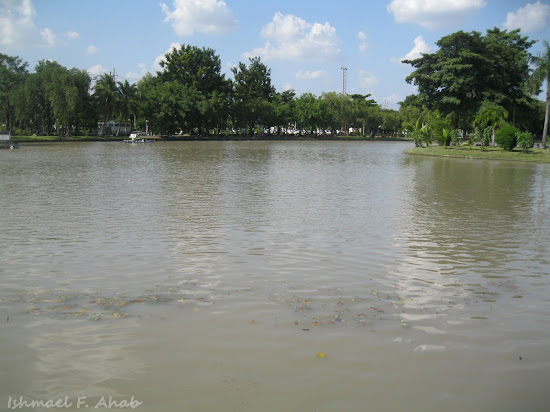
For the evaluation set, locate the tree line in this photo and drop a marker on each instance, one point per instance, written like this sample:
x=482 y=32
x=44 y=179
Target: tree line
x=472 y=81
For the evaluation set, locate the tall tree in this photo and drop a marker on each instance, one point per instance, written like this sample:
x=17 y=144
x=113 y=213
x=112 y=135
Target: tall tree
x=361 y=104
x=12 y=74
x=490 y=115
x=340 y=110
x=66 y=92
x=470 y=68
x=284 y=106
x=391 y=120
x=310 y=112
x=198 y=72
x=253 y=93
x=106 y=95
x=540 y=75
x=127 y=93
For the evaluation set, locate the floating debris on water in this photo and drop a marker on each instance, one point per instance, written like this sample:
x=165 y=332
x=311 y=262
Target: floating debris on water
x=95 y=306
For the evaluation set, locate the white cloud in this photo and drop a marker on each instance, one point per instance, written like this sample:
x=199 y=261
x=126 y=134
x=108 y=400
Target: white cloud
x=420 y=47
x=134 y=77
x=390 y=101
x=531 y=18
x=201 y=16
x=363 y=42
x=287 y=86
x=308 y=75
x=48 y=36
x=91 y=50
x=367 y=80
x=72 y=35
x=97 y=70
x=18 y=29
x=434 y=14
x=156 y=66
x=292 y=38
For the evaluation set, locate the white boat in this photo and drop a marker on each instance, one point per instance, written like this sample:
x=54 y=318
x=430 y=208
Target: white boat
x=138 y=137
x=6 y=142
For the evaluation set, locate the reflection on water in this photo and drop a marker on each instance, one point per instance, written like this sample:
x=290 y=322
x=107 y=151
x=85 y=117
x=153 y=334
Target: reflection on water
x=207 y=276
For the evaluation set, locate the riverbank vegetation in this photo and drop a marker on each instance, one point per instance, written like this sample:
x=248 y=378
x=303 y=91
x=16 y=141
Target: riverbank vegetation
x=476 y=152
x=468 y=89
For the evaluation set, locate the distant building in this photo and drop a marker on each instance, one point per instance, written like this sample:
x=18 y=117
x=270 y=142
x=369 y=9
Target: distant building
x=112 y=127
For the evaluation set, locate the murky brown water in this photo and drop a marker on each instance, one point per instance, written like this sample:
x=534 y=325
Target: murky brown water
x=218 y=276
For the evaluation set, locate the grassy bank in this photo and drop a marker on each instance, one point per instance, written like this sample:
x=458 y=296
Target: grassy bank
x=494 y=153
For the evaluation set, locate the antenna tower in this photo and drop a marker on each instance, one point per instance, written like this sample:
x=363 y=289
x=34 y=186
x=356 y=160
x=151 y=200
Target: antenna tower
x=344 y=75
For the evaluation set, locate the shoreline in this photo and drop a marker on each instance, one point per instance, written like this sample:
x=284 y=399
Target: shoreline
x=493 y=153
x=212 y=138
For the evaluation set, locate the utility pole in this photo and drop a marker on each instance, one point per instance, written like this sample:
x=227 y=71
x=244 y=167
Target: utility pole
x=344 y=75
x=344 y=93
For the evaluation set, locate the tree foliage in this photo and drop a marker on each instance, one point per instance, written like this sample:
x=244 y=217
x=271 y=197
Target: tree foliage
x=473 y=80
x=470 y=68
x=12 y=74
x=506 y=137
x=540 y=75
x=253 y=94
x=195 y=73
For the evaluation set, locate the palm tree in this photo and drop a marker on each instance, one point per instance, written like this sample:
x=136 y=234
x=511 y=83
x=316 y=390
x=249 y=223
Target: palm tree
x=491 y=115
x=538 y=77
x=106 y=93
x=126 y=101
x=419 y=131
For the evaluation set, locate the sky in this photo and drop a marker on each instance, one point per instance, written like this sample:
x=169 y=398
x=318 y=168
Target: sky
x=304 y=43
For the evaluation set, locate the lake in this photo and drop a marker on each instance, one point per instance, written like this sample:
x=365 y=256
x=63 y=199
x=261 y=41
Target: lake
x=272 y=276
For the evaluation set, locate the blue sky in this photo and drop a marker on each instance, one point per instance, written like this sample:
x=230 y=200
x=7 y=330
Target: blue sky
x=304 y=43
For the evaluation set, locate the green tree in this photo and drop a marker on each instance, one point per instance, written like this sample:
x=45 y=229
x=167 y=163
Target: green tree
x=361 y=105
x=419 y=131
x=411 y=108
x=165 y=105
x=468 y=69
x=374 y=119
x=506 y=137
x=66 y=91
x=391 y=120
x=12 y=74
x=310 y=112
x=525 y=140
x=491 y=115
x=253 y=93
x=106 y=94
x=340 y=113
x=540 y=75
x=284 y=108
x=127 y=105
x=197 y=72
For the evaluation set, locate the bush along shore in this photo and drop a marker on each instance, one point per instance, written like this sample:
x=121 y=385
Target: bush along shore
x=478 y=152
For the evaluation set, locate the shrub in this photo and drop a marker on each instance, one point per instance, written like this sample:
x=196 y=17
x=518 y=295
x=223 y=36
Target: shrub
x=506 y=137
x=456 y=138
x=525 y=140
x=418 y=137
x=486 y=137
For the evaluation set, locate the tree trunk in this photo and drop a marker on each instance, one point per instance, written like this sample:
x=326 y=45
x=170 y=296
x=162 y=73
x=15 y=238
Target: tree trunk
x=68 y=131
x=545 y=130
x=119 y=125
